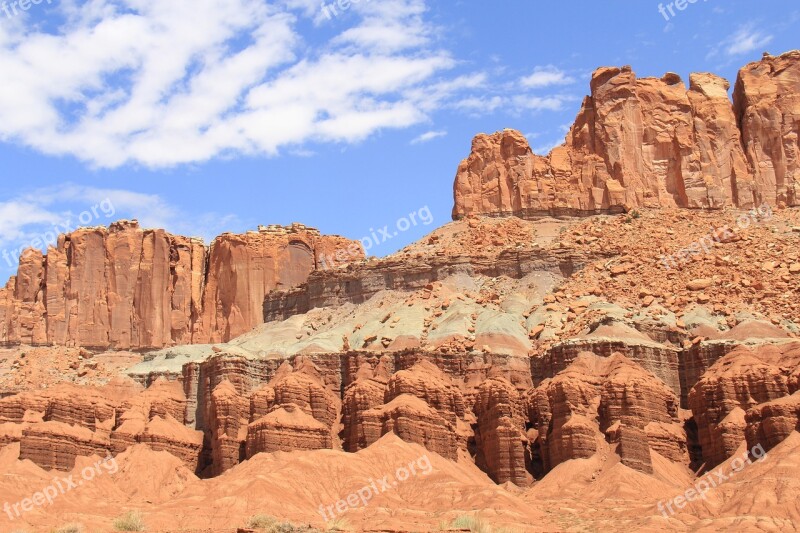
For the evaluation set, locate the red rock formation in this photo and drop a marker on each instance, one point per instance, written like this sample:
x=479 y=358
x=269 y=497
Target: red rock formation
x=611 y=396
x=360 y=396
x=718 y=141
x=285 y=429
x=650 y=143
x=169 y=435
x=244 y=268
x=420 y=404
x=129 y=288
x=500 y=436
x=427 y=382
x=766 y=103
x=161 y=433
x=55 y=425
x=163 y=398
x=66 y=403
x=770 y=423
x=55 y=445
x=229 y=418
x=739 y=381
x=633 y=450
x=10 y=433
x=261 y=402
x=413 y=420
x=309 y=394
x=13 y=408
x=560 y=409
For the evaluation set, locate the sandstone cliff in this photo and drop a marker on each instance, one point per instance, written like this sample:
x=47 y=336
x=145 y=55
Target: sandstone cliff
x=650 y=142
x=125 y=287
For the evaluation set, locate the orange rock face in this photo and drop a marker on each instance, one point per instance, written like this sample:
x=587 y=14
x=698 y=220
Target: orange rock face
x=606 y=398
x=287 y=428
x=420 y=405
x=129 y=288
x=229 y=419
x=55 y=445
x=766 y=101
x=746 y=394
x=650 y=143
x=771 y=423
x=413 y=420
x=360 y=397
x=500 y=437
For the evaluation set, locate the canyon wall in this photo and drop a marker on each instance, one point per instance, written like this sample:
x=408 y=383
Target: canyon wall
x=125 y=287
x=650 y=142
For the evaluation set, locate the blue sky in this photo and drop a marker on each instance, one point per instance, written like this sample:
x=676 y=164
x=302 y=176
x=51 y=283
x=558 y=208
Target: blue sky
x=206 y=116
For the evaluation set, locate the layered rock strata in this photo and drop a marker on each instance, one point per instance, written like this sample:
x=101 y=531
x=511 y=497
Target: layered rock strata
x=124 y=287
x=608 y=399
x=746 y=395
x=650 y=142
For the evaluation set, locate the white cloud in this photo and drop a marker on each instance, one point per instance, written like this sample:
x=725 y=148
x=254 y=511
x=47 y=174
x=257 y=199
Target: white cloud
x=746 y=39
x=139 y=81
x=540 y=103
x=159 y=84
x=428 y=136
x=480 y=104
x=546 y=76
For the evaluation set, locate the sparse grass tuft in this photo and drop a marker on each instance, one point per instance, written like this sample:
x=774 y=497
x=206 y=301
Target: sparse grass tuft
x=473 y=523
x=261 y=521
x=269 y=524
x=130 y=521
x=70 y=528
x=339 y=524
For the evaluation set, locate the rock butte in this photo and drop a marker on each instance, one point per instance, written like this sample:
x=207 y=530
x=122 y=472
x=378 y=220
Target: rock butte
x=651 y=143
x=124 y=287
x=538 y=363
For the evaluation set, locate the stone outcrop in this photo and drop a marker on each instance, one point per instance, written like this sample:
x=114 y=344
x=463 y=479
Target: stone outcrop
x=608 y=398
x=230 y=413
x=326 y=288
x=172 y=436
x=500 y=437
x=285 y=429
x=420 y=404
x=770 y=423
x=66 y=403
x=650 y=142
x=427 y=382
x=360 y=397
x=53 y=426
x=55 y=445
x=733 y=400
x=125 y=287
x=767 y=106
x=413 y=420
